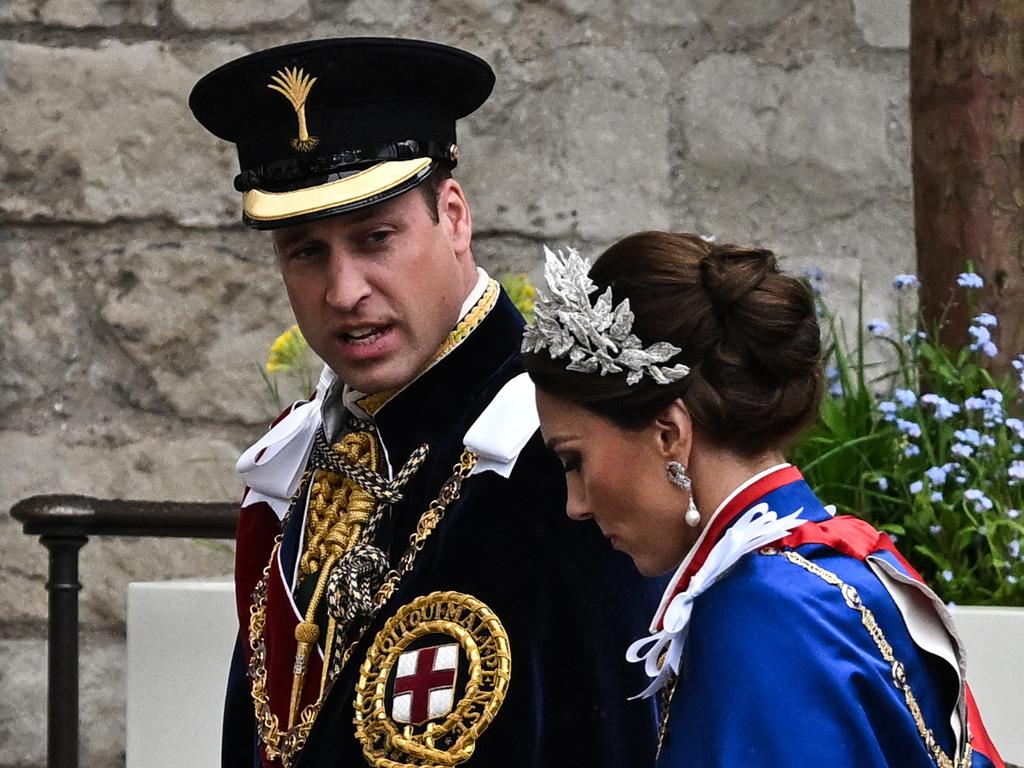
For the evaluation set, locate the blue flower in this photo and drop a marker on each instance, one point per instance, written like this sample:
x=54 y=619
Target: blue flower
x=936 y=475
x=1013 y=514
x=878 y=327
x=1016 y=426
x=968 y=435
x=982 y=340
x=905 y=397
x=936 y=497
x=883 y=483
x=916 y=487
x=969 y=280
x=911 y=428
x=990 y=406
x=911 y=449
x=888 y=410
x=992 y=395
x=905 y=281
x=1014 y=549
x=935 y=530
x=987 y=319
x=944 y=410
x=961 y=449
x=835 y=384
x=814 y=274
x=947 y=575
x=981 y=501
x=1015 y=471
x=815 y=278
x=1011 y=579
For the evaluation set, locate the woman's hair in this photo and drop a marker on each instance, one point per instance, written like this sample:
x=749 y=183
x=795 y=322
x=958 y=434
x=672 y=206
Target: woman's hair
x=748 y=333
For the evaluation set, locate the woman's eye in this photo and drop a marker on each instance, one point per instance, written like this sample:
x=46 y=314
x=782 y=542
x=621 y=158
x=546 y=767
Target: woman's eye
x=571 y=464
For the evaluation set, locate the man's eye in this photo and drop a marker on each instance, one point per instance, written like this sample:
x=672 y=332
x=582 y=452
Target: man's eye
x=379 y=236
x=305 y=253
x=571 y=464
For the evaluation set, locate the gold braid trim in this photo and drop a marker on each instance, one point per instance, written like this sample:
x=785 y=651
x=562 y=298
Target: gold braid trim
x=899 y=677
x=339 y=509
x=372 y=403
x=286 y=743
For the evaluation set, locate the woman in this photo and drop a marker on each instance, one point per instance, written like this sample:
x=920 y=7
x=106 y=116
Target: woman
x=669 y=382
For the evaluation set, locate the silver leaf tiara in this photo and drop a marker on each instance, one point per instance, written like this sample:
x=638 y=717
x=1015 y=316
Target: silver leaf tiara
x=596 y=337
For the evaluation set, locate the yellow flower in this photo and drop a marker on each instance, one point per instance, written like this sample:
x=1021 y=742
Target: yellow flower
x=521 y=292
x=287 y=351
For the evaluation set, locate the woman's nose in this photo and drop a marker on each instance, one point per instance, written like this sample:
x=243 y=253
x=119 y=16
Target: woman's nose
x=576 y=507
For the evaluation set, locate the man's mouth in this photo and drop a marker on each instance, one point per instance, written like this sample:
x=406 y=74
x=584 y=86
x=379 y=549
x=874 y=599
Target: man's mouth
x=365 y=335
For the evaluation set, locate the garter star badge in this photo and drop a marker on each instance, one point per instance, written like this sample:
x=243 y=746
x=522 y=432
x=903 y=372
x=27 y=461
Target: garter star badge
x=432 y=682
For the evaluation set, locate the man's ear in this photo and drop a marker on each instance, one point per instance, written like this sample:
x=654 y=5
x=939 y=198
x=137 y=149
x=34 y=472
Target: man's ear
x=674 y=432
x=454 y=216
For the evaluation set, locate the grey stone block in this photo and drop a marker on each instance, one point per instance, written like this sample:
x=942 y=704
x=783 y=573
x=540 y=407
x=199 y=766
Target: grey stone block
x=590 y=151
x=837 y=120
x=224 y=14
x=23 y=702
x=94 y=134
x=99 y=13
x=16 y=11
x=150 y=468
x=884 y=23
x=169 y=321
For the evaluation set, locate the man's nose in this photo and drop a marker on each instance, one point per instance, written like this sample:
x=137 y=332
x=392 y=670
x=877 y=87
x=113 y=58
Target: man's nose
x=347 y=284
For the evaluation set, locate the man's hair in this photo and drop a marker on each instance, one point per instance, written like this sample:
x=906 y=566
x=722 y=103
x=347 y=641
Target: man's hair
x=430 y=188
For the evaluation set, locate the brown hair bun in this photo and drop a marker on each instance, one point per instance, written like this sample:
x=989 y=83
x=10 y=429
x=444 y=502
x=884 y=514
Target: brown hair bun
x=748 y=332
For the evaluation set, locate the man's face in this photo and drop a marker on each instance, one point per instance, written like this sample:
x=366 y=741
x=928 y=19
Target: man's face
x=376 y=291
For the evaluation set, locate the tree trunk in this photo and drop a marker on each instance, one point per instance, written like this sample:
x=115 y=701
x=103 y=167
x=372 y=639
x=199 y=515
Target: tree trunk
x=967 y=110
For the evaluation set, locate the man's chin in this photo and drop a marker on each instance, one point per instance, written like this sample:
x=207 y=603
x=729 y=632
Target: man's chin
x=373 y=382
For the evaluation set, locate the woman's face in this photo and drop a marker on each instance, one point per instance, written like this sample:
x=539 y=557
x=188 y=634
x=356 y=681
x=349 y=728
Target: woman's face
x=619 y=479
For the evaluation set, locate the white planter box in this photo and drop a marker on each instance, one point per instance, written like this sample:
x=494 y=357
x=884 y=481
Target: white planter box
x=180 y=638
x=994 y=639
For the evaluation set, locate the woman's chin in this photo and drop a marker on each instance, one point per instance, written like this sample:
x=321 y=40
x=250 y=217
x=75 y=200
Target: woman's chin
x=652 y=565
x=648 y=566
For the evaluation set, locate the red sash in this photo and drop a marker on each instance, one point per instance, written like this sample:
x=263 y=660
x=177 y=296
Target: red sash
x=856 y=538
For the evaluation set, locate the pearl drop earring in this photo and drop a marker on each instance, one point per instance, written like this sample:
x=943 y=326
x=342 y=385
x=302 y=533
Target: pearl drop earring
x=678 y=477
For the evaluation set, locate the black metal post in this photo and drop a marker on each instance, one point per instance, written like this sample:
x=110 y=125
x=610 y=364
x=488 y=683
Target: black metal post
x=62 y=687
x=64 y=524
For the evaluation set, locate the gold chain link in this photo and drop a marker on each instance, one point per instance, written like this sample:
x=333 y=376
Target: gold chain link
x=899 y=678
x=287 y=743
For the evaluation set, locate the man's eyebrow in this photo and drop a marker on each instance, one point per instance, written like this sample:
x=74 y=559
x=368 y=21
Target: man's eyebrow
x=290 y=236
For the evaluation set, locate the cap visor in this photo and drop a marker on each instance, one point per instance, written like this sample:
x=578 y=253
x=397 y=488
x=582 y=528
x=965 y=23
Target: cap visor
x=267 y=210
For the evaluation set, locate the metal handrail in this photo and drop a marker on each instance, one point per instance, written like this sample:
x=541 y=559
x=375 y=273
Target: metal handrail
x=64 y=524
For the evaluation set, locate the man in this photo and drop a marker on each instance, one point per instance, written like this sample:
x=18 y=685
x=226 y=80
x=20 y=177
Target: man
x=410 y=591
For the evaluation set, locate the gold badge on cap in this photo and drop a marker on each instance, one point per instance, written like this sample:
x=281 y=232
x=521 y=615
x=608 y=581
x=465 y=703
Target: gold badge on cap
x=412 y=707
x=294 y=85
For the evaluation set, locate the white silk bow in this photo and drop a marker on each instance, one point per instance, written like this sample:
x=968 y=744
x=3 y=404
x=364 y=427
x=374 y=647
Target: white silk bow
x=273 y=465
x=757 y=527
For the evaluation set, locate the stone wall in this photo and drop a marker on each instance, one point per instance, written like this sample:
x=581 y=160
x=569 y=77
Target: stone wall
x=135 y=309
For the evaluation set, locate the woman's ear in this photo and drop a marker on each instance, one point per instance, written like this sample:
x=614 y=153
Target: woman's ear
x=674 y=429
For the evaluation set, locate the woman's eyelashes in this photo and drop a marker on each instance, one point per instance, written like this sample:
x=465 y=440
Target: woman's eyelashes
x=570 y=462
